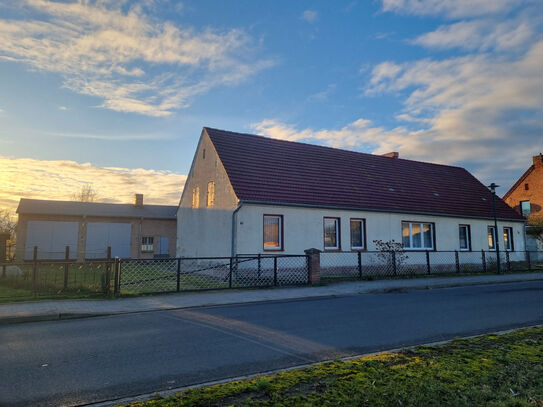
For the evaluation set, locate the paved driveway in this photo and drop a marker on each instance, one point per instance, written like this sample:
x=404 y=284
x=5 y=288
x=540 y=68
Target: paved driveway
x=79 y=361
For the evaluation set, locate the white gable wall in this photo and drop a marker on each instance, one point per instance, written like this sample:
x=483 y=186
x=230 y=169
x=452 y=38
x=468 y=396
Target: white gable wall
x=303 y=228
x=206 y=231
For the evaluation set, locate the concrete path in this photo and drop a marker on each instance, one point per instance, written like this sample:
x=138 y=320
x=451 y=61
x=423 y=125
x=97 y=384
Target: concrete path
x=64 y=309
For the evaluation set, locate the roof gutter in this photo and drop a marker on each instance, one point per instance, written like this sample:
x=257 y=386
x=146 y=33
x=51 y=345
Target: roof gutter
x=235 y=229
x=347 y=208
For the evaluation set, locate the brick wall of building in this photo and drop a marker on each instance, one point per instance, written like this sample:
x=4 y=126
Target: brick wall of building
x=529 y=188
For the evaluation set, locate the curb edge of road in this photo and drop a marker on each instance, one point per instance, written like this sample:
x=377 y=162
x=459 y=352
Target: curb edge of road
x=56 y=316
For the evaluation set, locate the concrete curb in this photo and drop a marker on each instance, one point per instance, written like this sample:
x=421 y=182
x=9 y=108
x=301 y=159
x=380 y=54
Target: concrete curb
x=395 y=286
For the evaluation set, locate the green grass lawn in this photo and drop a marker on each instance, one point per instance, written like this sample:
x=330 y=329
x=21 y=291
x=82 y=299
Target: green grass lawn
x=491 y=370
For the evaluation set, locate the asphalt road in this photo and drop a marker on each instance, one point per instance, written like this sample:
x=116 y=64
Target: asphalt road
x=81 y=361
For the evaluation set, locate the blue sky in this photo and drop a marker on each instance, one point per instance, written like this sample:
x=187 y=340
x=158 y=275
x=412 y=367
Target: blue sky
x=115 y=93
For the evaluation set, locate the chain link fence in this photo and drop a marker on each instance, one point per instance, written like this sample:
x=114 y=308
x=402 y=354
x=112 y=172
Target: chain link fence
x=66 y=278
x=386 y=264
x=137 y=276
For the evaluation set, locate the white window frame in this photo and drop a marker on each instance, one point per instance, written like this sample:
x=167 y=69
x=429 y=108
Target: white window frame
x=421 y=224
x=468 y=238
x=210 y=194
x=509 y=240
x=280 y=234
x=529 y=208
x=338 y=231
x=493 y=247
x=147 y=244
x=362 y=232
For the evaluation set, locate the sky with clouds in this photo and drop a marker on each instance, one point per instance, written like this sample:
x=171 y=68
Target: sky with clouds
x=115 y=93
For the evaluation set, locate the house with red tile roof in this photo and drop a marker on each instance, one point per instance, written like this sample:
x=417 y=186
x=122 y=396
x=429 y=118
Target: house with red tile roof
x=248 y=194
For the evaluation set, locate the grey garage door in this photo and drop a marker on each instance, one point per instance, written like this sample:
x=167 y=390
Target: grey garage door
x=51 y=237
x=100 y=235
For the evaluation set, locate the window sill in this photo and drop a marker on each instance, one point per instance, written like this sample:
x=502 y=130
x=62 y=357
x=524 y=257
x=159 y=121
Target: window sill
x=273 y=250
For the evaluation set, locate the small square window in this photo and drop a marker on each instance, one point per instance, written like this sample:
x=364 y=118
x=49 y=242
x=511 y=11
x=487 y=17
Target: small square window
x=526 y=187
x=147 y=244
x=525 y=208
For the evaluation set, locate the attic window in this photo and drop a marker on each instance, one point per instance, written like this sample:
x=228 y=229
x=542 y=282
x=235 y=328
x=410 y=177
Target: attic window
x=204 y=154
x=484 y=199
x=436 y=194
x=526 y=187
x=391 y=189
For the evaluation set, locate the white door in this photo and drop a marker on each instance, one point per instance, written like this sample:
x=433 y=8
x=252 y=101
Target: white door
x=100 y=235
x=51 y=237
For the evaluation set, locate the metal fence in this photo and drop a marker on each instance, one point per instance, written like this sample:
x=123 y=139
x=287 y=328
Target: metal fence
x=59 y=278
x=382 y=264
x=140 y=276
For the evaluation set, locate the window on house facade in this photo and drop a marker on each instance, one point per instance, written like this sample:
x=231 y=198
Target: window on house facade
x=417 y=235
x=196 y=197
x=210 y=193
x=331 y=234
x=508 y=238
x=525 y=208
x=358 y=238
x=273 y=232
x=526 y=187
x=491 y=238
x=147 y=244
x=465 y=237
x=204 y=154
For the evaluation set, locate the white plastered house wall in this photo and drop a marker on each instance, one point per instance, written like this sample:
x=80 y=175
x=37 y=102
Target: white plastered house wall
x=231 y=227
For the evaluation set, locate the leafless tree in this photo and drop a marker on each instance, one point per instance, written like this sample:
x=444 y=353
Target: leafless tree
x=85 y=194
x=7 y=223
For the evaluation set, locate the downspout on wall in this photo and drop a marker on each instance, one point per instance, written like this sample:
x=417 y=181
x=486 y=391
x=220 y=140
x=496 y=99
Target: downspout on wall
x=234 y=229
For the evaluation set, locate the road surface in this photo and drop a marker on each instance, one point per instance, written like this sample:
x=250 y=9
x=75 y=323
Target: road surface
x=75 y=362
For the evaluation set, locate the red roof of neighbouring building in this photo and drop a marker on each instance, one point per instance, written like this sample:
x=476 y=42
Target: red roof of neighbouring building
x=272 y=171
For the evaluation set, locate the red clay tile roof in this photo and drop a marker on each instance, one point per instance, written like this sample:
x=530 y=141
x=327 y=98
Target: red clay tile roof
x=267 y=170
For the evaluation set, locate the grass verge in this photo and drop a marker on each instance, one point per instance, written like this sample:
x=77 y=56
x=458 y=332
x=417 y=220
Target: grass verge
x=491 y=370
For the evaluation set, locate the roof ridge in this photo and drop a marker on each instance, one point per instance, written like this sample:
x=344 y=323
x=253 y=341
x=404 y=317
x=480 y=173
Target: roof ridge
x=318 y=146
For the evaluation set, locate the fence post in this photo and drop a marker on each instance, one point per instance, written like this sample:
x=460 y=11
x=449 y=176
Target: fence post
x=508 y=261
x=117 y=286
x=35 y=270
x=393 y=253
x=529 y=260
x=275 y=271
x=313 y=265
x=483 y=257
x=360 y=265
x=259 y=265
x=178 y=275
x=428 y=262
x=107 y=277
x=230 y=275
x=457 y=261
x=66 y=267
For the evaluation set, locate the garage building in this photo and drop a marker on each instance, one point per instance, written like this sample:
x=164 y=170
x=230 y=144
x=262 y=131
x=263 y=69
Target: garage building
x=89 y=228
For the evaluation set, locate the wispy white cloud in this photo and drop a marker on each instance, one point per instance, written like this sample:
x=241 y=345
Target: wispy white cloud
x=58 y=180
x=481 y=34
x=451 y=8
x=113 y=51
x=311 y=16
x=62 y=108
x=322 y=95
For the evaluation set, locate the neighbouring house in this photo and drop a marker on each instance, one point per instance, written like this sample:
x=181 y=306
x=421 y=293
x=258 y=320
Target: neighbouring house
x=89 y=228
x=526 y=195
x=248 y=194
x=4 y=237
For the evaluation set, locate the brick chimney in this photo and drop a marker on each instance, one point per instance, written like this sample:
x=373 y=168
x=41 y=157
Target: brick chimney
x=538 y=160
x=393 y=154
x=138 y=200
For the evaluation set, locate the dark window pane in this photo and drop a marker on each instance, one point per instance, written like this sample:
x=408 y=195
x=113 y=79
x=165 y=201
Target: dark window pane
x=356 y=234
